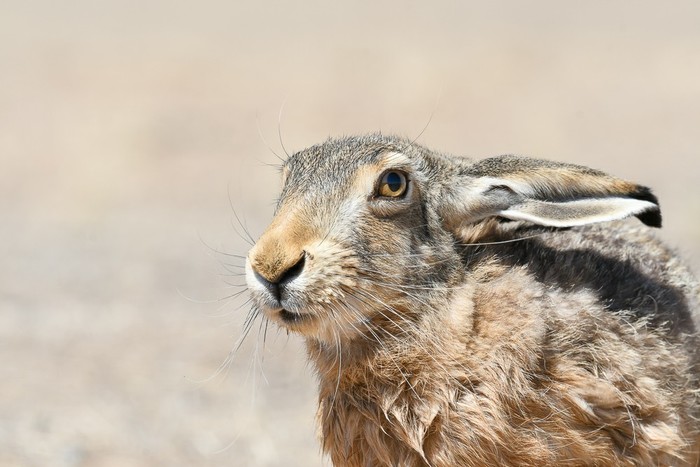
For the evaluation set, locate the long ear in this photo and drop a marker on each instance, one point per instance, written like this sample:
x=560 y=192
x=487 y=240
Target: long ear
x=544 y=193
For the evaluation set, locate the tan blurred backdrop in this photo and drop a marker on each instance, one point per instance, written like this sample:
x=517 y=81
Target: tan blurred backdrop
x=126 y=126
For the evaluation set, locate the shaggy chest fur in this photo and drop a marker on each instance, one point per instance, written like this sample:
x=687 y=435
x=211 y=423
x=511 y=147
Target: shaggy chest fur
x=536 y=392
x=510 y=417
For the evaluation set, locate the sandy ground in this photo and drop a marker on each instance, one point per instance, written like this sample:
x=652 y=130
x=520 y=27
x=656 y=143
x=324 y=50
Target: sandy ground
x=126 y=127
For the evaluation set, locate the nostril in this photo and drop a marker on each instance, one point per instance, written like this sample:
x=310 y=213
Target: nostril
x=294 y=271
x=276 y=285
x=272 y=287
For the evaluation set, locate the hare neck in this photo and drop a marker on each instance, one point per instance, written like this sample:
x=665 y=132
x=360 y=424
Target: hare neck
x=383 y=395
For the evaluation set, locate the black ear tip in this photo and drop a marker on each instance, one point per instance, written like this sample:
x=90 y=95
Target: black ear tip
x=651 y=218
x=644 y=194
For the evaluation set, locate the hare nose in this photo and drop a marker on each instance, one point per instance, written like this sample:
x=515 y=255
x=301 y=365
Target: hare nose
x=275 y=284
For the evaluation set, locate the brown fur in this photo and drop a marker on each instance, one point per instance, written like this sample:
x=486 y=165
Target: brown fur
x=477 y=388
x=443 y=336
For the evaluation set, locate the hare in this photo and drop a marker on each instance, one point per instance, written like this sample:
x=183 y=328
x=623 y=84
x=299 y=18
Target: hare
x=501 y=312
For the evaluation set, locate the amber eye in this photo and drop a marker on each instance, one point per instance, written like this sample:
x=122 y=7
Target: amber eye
x=393 y=184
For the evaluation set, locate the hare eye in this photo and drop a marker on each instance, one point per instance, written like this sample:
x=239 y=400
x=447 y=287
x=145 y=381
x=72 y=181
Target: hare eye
x=393 y=184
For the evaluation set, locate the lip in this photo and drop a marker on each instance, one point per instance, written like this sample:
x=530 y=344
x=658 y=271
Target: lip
x=291 y=317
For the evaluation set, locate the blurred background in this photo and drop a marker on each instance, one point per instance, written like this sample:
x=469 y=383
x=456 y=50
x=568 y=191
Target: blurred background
x=129 y=131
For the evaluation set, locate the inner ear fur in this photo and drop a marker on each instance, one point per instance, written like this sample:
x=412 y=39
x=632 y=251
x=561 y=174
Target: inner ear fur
x=545 y=193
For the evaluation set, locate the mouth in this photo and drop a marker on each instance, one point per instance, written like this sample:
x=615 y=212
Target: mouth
x=291 y=317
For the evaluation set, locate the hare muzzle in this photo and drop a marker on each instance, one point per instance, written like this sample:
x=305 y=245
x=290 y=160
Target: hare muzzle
x=275 y=269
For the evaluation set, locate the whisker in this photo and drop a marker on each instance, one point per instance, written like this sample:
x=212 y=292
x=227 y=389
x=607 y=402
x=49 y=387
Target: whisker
x=430 y=118
x=248 y=238
x=391 y=357
x=225 y=365
x=375 y=300
x=400 y=287
x=231 y=274
x=220 y=313
x=330 y=229
x=230 y=284
x=501 y=242
x=230 y=297
x=217 y=251
x=257 y=124
x=339 y=354
x=279 y=127
x=261 y=354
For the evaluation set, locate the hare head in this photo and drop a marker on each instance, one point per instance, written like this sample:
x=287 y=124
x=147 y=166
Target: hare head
x=363 y=221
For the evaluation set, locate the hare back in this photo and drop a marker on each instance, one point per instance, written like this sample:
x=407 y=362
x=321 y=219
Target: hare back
x=624 y=265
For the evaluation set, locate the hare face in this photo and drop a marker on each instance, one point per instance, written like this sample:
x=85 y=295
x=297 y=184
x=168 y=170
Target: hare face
x=367 y=230
x=350 y=236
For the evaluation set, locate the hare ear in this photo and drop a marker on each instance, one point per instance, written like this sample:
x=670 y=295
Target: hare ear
x=545 y=193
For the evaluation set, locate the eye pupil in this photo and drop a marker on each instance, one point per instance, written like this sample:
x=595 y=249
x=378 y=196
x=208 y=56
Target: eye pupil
x=394 y=181
x=393 y=184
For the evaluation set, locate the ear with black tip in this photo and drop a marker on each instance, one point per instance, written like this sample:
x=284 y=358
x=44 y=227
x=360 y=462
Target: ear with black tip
x=652 y=217
x=545 y=193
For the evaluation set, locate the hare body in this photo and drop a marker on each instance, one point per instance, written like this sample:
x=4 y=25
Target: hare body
x=466 y=313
